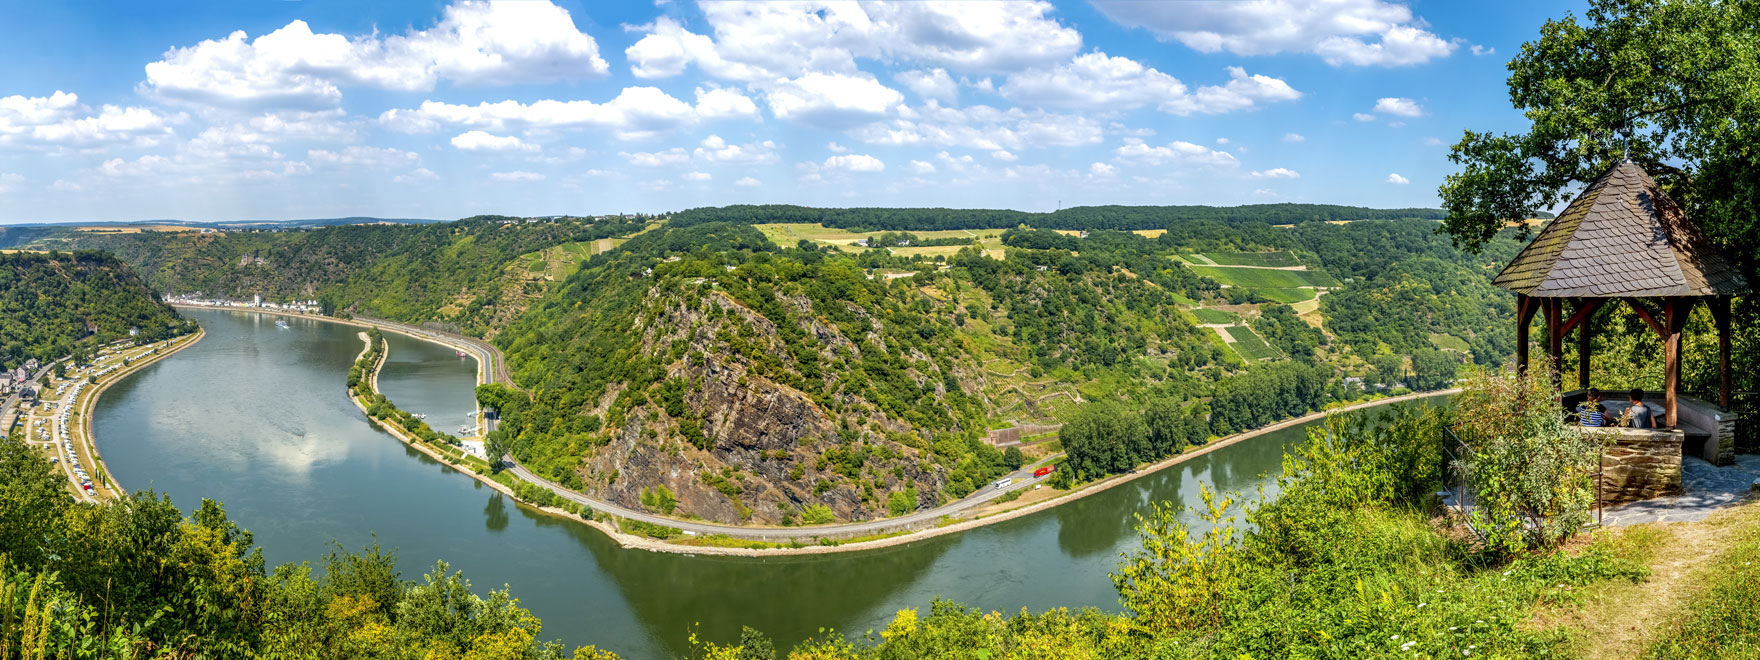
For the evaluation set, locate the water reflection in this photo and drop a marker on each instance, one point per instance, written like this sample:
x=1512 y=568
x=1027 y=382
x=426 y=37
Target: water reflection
x=223 y=420
x=495 y=513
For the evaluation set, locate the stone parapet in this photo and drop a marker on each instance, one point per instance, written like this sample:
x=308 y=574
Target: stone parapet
x=1641 y=465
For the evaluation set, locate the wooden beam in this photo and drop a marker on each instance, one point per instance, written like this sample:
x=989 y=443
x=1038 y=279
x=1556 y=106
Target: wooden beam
x=1555 y=337
x=1583 y=342
x=1720 y=313
x=1644 y=313
x=1671 y=351
x=1586 y=308
x=1524 y=315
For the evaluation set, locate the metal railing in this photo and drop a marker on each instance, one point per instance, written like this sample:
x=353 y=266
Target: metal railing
x=1746 y=406
x=1460 y=461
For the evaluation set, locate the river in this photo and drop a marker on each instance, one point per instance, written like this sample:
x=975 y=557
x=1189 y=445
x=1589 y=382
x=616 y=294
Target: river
x=256 y=417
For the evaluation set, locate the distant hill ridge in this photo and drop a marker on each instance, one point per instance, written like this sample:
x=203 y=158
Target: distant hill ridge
x=1074 y=218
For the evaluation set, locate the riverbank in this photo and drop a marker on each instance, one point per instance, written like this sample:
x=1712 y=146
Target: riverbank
x=466 y=467
x=85 y=439
x=485 y=372
x=709 y=539
x=1085 y=490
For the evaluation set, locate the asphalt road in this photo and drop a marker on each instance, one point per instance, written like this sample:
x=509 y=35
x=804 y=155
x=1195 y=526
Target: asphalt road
x=1023 y=479
x=496 y=367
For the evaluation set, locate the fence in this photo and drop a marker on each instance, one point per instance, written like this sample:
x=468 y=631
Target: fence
x=1014 y=434
x=1746 y=405
x=1460 y=461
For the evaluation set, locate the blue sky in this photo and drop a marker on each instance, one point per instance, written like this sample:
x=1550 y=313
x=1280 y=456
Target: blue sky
x=276 y=110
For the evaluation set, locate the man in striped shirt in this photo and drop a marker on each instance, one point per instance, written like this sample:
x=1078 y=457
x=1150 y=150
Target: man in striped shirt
x=1590 y=412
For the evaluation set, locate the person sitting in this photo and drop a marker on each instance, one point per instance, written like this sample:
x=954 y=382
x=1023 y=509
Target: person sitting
x=1590 y=412
x=1639 y=414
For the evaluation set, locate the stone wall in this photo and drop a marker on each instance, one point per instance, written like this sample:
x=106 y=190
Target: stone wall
x=1641 y=465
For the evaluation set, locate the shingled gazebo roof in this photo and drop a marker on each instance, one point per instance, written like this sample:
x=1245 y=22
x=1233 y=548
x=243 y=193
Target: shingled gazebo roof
x=1621 y=238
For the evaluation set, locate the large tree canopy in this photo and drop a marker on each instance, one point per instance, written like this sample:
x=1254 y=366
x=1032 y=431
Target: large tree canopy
x=1675 y=82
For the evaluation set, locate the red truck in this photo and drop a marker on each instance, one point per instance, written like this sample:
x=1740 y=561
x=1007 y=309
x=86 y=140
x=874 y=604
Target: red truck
x=1044 y=471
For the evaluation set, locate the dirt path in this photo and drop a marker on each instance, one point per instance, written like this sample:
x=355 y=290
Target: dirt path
x=1626 y=619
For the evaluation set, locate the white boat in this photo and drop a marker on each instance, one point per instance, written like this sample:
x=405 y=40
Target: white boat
x=281 y=323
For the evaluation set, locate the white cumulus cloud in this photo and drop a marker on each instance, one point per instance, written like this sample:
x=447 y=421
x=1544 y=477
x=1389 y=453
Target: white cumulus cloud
x=854 y=163
x=1136 y=152
x=1340 y=32
x=1403 y=107
x=475 y=43
x=832 y=100
x=714 y=149
x=637 y=112
x=516 y=176
x=765 y=41
x=1275 y=173
x=1397 y=179
x=483 y=141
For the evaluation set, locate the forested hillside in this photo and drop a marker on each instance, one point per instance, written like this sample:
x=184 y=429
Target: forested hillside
x=451 y=272
x=1079 y=218
x=805 y=373
x=757 y=382
x=53 y=304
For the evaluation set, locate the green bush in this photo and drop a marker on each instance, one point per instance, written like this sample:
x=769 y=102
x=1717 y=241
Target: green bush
x=817 y=514
x=660 y=499
x=1531 y=472
x=649 y=530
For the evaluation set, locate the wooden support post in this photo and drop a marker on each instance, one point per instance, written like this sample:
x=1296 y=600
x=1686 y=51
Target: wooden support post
x=1555 y=338
x=1583 y=345
x=1524 y=314
x=1720 y=312
x=1673 y=318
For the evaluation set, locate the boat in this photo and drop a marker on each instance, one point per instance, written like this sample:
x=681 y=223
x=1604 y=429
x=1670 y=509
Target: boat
x=460 y=354
x=281 y=323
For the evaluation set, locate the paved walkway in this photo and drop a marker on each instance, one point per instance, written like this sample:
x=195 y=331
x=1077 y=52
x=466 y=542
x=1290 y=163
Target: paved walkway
x=1708 y=487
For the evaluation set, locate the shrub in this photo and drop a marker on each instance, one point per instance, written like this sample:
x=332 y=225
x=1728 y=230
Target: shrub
x=817 y=514
x=1531 y=472
x=659 y=498
x=648 y=529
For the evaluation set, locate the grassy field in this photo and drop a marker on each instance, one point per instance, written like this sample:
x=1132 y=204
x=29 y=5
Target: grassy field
x=557 y=262
x=1260 y=278
x=1273 y=259
x=787 y=234
x=1249 y=345
x=136 y=229
x=1448 y=342
x=1215 y=316
x=1287 y=296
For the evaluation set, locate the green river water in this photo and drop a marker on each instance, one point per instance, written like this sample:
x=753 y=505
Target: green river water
x=256 y=417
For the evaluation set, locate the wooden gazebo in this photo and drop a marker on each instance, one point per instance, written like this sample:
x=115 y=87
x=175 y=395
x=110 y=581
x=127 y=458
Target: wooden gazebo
x=1622 y=239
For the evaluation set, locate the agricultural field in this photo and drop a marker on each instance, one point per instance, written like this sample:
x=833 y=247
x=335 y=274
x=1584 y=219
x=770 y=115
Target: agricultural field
x=1265 y=278
x=1215 y=316
x=1449 y=342
x=1277 y=259
x=1288 y=296
x=1248 y=344
x=787 y=234
x=136 y=229
x=557 y=262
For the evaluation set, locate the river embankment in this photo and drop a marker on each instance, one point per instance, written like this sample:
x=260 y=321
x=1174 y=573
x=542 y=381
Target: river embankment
x=869 y=537
x=88 y=402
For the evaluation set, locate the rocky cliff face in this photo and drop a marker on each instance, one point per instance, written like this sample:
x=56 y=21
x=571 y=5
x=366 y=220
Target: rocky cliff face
x=762 y=451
